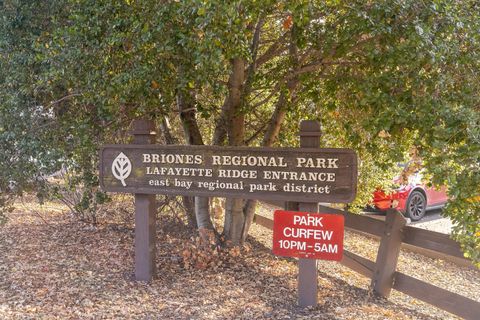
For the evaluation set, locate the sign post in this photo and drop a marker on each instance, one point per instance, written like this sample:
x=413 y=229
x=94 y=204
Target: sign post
x=310 y=133
x=145 y=212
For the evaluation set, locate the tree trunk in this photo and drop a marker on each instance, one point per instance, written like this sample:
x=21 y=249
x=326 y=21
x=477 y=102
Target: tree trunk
x=220 y=133
x=282 y=104
x=279 y=114
x=249 y=213
x=224 y=122
x=206 y=230
x=274 y=126
x=186 y=107
x=233 y=230
x=270 y=137
x=188 y=203
x=166 y=132
x=234 y=218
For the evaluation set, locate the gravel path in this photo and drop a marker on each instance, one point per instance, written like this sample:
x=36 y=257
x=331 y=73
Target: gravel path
x=433 y=221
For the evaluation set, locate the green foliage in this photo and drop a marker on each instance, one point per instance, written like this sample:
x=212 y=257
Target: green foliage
x=27 y=140
x=381 y=76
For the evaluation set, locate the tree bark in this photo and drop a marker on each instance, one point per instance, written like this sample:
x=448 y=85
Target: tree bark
x=231 y=104
x=186 y=107
x=234 y=210
x=199 y=205
x=273 y=129
x=232 y=122
x=234 y=217
x=278 y=116
x=189 y=205
x=220 y=133
x=166 y=131
x=187 y=202
x=249 y=209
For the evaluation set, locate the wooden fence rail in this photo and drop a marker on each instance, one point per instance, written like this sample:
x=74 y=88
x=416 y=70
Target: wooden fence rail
x=429 y=243
x=393 y=233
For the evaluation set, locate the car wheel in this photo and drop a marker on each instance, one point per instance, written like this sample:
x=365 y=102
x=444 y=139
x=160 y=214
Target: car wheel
x=416 y=206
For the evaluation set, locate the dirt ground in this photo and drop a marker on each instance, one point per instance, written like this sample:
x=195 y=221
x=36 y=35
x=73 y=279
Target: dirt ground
x=53 y=267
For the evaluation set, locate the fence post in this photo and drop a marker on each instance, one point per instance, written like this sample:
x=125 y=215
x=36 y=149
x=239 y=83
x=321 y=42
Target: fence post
x=388 y=252
x=145 y=231
x=307 y=268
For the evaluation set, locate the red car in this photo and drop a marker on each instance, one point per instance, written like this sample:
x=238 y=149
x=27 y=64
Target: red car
x=412 y=199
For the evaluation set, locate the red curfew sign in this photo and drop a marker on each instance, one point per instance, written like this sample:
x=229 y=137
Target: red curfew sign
x=308 y=235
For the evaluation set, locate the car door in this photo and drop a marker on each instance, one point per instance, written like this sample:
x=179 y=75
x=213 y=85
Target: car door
x=436 y=196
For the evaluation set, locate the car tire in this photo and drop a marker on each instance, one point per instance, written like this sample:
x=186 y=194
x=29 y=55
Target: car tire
x=416 y=206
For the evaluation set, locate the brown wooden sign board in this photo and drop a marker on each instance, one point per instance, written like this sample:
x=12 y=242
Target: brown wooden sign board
x=286 y=174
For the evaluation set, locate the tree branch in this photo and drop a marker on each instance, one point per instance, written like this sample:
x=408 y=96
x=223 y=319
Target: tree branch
x=64 y=98
x=273 y=50
x=256 y=134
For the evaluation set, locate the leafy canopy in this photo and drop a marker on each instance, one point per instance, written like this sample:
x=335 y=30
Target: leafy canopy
x=381 y=76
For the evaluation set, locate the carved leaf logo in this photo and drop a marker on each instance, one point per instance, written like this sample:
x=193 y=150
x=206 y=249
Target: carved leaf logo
x=121 y=168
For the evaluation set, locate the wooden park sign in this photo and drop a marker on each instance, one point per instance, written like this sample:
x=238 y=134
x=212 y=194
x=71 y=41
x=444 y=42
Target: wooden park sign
x=301 y=177
x=288 y=174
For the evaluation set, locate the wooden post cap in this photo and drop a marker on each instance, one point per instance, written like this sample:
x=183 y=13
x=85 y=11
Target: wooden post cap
x=143 y=126
x=310 y=128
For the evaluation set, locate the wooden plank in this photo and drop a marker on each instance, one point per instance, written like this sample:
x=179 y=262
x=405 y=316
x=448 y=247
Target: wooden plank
x=357 y=222
x=462 y=262
x=432 y=240
x=354 y=222
x=388 y=253
x=304 y=174
x=415 y=240
x=145 y=237
x=459 y=261
x=429 y=243
x=438 y=297
x=263 y=221
x=357 y=263
x=276 y=203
